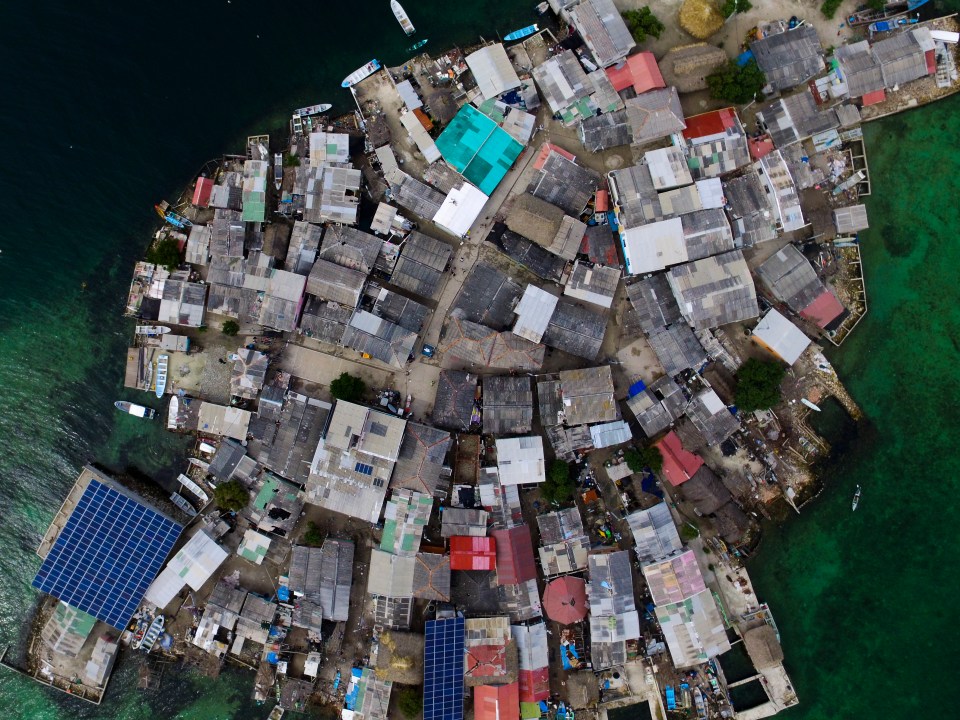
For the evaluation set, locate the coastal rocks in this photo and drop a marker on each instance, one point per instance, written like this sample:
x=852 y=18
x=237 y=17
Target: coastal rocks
x=700 y=18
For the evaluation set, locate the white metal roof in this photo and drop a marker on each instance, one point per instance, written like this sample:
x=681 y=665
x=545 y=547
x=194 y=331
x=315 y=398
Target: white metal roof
x=192 y=565
x=520 y=460
x=492 y=70
x=420 y=136
x=654 y=246
x=533 y=313
x=711 y=193
x=460 y=209
x=668 y=167
x=608 y=434
x=409 y=95
x=781 y=336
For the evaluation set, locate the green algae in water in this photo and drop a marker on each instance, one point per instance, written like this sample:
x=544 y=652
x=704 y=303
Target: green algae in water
x=864 y=600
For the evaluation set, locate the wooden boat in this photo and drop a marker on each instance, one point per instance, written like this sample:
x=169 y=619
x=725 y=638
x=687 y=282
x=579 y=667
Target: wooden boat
x=809 y=404
x=856 y=499
x=401 y=15
x=312 y=110
x=700 y=704
x=153 y=633
x=152 y=330
x=361 y=73
x=161 y=384
x=866 y=15
x=416 y=46
x=139 y=632
x=136 y=410
x=521 y=33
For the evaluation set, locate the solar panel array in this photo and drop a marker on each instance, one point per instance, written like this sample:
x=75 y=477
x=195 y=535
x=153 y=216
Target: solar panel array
x=443 y=668
x=107 y=554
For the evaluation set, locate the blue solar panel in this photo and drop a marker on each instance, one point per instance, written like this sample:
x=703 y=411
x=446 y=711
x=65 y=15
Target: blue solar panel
x=107 y=554
x=443 y=670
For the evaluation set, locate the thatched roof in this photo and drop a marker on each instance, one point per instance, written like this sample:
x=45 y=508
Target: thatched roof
x=400 y=657
x=700 y=18
x=763 y=647
x=731 y=523
x=705 y=491
x=687 y=67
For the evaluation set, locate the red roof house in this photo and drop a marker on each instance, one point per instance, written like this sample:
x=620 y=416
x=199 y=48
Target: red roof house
x=534 y=685
x=640 y=70
x=760 y=147
x=546 y=150
x=515 y=562
x=679 y=465
x=201 y=193
x=603 y=201
x=872 y=98
x=500 y=702
x=473 y=553
x=824 y=309
x=715 y=122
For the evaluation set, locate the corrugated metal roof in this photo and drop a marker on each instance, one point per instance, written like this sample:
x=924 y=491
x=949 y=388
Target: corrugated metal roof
x=492 y=70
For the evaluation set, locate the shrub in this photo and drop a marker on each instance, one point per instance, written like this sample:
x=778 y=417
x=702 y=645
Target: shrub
x=348 y=387
x=758 y=384
x=231 y=496
x=730 y=7
x=313 y=535
x=410 y=702
x=689 y=532
x=165 y=252
x=558 y=487
x=736 y=84
x=230 y=328
x=642 y=23
x=830 y=7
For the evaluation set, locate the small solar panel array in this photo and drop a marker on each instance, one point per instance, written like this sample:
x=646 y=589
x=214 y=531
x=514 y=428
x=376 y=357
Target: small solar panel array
x=109 y=551
x=443 y=667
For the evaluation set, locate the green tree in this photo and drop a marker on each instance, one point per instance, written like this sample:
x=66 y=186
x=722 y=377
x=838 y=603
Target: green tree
x=290 y=160
x=231 y=496
x=642 y=23
x=735 y=83
x=648 y=457
x=348 y=387
x=758 y=384
x=313 y=535
x=230 y=328
x=165 y=252
x=558 y=487
x=410 y=702
x=729 y=7
x=689 y=532
x=830 y=7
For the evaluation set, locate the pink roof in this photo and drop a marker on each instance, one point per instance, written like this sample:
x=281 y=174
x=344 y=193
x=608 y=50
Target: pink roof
x=760 y=146
x=872 y=98
x=546 y=150
x=473 y=553
x=639 y=70
x=534 y=685
x=565 y=600
x=500 y=702
x=201 y=193
x=824 y=310
x=515 y=562
x=486 y=661
x=679 y=465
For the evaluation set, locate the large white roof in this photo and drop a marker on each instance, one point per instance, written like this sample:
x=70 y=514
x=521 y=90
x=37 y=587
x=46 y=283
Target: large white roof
x=781 y=336
x=520 y=460
x=654 y=246
x=193 y=565
x=461 y=208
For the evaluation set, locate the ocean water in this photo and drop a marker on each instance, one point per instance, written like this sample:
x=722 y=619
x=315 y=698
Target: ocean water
x=110 y=107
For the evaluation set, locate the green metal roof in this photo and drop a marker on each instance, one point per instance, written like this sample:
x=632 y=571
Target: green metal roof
x=476 y=147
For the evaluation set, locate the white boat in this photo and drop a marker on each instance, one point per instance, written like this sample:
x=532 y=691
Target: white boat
x=156 y=628
x=162 y=362
x=312 y=110
x=809 y=404
x=136 y=410
x=194 y=488
x=152 y=330
x=856 y=499
x=401 y=15
x=361 y=73
x=278 y=170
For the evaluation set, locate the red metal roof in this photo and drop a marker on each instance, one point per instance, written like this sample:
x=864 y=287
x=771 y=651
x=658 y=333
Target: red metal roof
x=602 y=203
x=931 y=57
x=534 y=685
x=483 y=661
x=679 y=465
x=760 y=146
x=640 y=71
x=710 y=123
x=499 y=702
x=515 y=562
x=565 y=600
x=824 y=309
x=872 y=98
x=201 y=193
x=473 y=553
x=545 y=150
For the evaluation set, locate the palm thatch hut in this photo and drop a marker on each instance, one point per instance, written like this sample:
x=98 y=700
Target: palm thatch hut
x=700 y=18
x=687 y=67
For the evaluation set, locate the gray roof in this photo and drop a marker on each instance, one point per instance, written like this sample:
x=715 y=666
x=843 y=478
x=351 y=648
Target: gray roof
x=393 y=612
x=417 y=197
x=654 y=533
x=654 y=114
x=454 y=403
x=745 y=195
x=567 y=442
x=535 y=258
x=636 y=195
x=850 y=219
x=791 y=278
x=561 y=182
x=603 y=30
x=706 y=233
x=593 y=283
x=587 y=395
x=482 y=347
x=789 y=58
x=677 y=348
x=715 y=291
x=658 y=405
x=431 y=577
x=420 y=461
x=380 y=338
x=350 y=248
x=464 y=522
x=720 y=155
x=226 y=239
x=401 y=310
x=609 y=130
x=302 y=251
x=487 y=296
x=796 y=117
x=330 y=281
x=226 y=459
x=291 y=446
x=711 y=419
x=324 y=575
x=562 y=80
x=549 y=402
x=560 y=526
x=576 y=328
x=859 y=68
x=390 y=575
x=901 y=56
x=753 y=229
x=324 y=320
x=507 y=405
x=421 y=264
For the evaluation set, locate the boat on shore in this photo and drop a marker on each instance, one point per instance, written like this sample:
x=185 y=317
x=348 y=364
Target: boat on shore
x=416 y=46
x=161 y=384
x=278 y=170
x=401 y=15
x=136 y=410
x=152 y=330
x=888 y=25
x=521 y=33
x=153 y=633
x=856 y=499
x=866 y=15
x=810 y=404
x=361 y=73
x=700 y=704
x=312 y=110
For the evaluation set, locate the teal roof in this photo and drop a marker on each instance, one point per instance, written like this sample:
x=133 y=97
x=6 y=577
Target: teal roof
x=476 y=147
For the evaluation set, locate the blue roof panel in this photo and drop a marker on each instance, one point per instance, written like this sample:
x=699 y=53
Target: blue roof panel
x=443 y=670
x=109 y=551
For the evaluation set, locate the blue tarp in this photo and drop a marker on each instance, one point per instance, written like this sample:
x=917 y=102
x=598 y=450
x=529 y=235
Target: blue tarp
x=612 y=220
x=744 y=57
x=283 y=593
x=350 y=701
x=564 y=658
x=272 y=658
x=649 y=484
x=637 y=388
x=671 y=698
